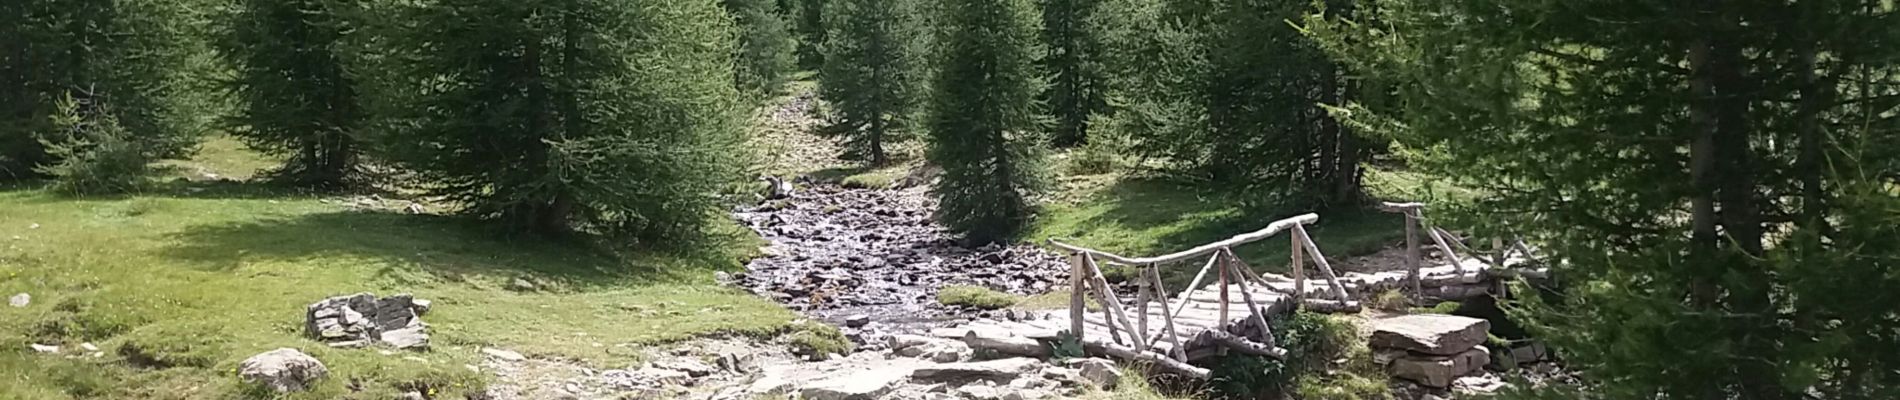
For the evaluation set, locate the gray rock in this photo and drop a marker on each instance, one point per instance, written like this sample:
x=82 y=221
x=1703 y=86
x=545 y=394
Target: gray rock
x=735 y=362
x=411 y=396
x=88 y=346
x=938 y=350
x=521 y=285
x=283 y=370
x=979 y=392
x=20 y=300
x=998 y=370
x=504 y=355
x=862 y=385
x=1429 y=333
x=407 y=338
x=664 y=376
x=902 y=341
x=1098 y=372
x=691 y=367
x=40 y=348
x=1026 y=394
x=1439 y=371
x=857 y=321
x=769 y=386
x=1530 y=353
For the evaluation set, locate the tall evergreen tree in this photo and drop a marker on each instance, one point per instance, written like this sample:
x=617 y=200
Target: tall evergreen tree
x=766 y=46
x=1713 y=178
x=295 y=97
x=872 y=74
x=62 y=62
x=1073 y=30
x=1227 y=91
x=808 y=22
x=610 y=116
x=986 y=124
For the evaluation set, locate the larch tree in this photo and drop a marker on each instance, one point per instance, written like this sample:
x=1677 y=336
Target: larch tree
x=987 y=127
x=604 y=116
x=92 y=91
x=1714 y=181
x=766 y=47
x=294 y=95
x=1228 y=92
x=873 y=74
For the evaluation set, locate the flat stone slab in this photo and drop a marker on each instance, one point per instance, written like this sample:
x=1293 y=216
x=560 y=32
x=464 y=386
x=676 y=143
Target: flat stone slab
x=1433 y=334
x=1440 y=371
x=862 y=385
x=1003 y=370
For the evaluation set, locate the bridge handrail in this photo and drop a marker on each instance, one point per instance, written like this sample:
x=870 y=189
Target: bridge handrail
x=1207 y=249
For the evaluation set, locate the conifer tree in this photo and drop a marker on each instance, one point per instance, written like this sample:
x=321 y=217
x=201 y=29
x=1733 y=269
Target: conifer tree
x=872 y=74
x=1709 y=179
x=1073 y=29
x=1228 y=92
x=767 y=46
x=67 y=61
x=808 y=22
x=294 y=93
x=608 y=116
x=986 y=124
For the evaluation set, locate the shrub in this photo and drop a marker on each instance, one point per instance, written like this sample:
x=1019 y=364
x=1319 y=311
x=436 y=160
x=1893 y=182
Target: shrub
x=96 y=155
x=816 y=340
x=1447 y=308
x=1390 y=300
x=975 y=296
x=1314 y=344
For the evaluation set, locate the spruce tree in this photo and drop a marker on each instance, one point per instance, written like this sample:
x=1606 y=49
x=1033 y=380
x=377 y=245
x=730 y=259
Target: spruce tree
x=608 y=116
x=1712 y=181
x=294 y=95
x=986 y=124
x=66 y=64
x=767 y=47
x=873 y=74
x=1073 y=30
x=808 y=22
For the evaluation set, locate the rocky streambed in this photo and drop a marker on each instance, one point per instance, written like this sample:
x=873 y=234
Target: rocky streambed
x=875 y=258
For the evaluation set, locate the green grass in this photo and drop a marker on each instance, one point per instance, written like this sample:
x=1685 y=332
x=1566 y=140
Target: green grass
x=178 y=286
x=976 y=296
x=1145 y=217
x=226 y=156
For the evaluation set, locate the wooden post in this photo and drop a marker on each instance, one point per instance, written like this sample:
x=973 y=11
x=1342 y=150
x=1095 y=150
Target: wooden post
x=1078 y=306
x=1325 y=268
x=1258 y=314
x=1141 y=315
x=1299 y=270
x=1223 y=290
x=1411 y=253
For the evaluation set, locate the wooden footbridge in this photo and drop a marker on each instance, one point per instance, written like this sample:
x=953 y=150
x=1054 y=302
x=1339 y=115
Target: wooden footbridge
x=1231 y=315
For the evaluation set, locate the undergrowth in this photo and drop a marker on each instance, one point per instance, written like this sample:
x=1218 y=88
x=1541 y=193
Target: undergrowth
x=976 y=297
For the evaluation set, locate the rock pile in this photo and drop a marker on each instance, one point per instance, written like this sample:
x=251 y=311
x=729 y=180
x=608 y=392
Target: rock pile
x=839 y=253
x=362 y=319
x=1432 y=350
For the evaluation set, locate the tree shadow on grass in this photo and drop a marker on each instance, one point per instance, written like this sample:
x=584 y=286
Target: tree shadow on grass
x=1161 y=217
x=425 y=247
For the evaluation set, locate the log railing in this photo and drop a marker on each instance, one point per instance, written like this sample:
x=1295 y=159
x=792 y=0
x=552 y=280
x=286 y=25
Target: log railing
x=1086 y=279
x=1444 y=241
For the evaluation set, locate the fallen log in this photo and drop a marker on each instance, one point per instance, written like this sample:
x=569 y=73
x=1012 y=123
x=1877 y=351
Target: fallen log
x=1243 y=346
x=1160 y=362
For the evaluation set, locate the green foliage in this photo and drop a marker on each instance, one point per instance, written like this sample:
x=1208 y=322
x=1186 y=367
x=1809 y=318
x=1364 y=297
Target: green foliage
x=873 y=72
x=986 y=125
x=1228 y=93
x=1313 y=342
x=766 y=47
x=817 y=340
x=96 y=155
x=975 y=296
x=607 y=116
x=133 y=56
x=1067 y=346
x=1719 y=194
x=1072 y=30
x=808 y=22
x=296 y=96
x=1443 y=307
